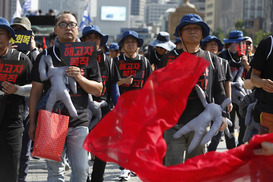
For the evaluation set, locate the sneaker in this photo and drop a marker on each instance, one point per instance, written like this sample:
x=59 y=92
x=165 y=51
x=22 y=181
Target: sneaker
x=133 y=174
x=67 y=166
x=124 y=175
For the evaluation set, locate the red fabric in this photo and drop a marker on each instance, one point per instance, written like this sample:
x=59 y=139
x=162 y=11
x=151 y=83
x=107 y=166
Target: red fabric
x=50 y=135
x=132 y=134
x=44 y=43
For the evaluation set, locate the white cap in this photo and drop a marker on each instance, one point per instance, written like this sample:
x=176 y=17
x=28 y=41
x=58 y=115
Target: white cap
x=248 y=39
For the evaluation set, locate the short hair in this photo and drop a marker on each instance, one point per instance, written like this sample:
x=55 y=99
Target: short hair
x=38 y=44
x=62 y=13
x=52 y=36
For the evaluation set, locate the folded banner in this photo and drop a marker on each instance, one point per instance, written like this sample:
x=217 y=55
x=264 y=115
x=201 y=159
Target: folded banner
x=134 y=129
x=50 y=135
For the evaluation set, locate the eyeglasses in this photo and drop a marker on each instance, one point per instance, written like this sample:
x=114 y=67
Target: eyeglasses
x=64 y=25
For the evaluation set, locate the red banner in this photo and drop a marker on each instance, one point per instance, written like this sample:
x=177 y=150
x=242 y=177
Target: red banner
x=140 y=117
x=132 y=134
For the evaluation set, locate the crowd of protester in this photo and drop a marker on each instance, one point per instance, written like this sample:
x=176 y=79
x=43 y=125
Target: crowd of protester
x=236 y=71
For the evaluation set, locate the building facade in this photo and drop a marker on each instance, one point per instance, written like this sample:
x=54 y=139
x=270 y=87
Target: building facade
x=222 y=14
x=154 y=11
x=112 y=16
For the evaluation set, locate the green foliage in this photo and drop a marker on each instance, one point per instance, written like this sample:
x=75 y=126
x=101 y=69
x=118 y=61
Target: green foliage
x=260 y=35
x=219 y=33
x=239 y=25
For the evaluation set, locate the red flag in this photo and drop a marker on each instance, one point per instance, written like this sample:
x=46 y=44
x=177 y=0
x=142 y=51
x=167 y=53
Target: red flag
x=132 y=134
x=44 y=43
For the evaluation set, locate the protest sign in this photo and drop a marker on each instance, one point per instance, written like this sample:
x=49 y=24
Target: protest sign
x=80 y=54
x=23 y=38
x=13 y=71
x=132 y=68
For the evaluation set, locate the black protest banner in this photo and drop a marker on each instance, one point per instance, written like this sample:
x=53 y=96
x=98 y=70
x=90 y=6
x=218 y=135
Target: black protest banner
x=23 y=38
x=13 y=71
x=80 y=54
x=132 y=68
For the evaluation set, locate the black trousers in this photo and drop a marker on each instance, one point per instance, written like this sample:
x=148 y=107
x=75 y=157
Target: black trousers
x=11 y=145
x=25 y=153
x=215 y=141
x=98 y=170
x=231 y=142
x=99 y=165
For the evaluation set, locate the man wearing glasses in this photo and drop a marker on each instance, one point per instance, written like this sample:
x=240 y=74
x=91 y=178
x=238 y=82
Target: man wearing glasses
x=88 y=82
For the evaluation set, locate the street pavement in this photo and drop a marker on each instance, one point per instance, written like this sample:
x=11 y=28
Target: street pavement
x=38 y=171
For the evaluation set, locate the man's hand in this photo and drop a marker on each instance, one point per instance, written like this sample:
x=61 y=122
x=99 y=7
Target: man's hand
x=74 y=72
x=245 y=61
x=267 y=85
x=128 y=81
x=229 y=108
x=13 y=46
x=31 y=132
x=9 y=88
x=267 y=149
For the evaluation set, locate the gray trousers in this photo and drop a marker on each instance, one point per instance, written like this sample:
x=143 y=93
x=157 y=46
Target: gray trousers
x=177 y=147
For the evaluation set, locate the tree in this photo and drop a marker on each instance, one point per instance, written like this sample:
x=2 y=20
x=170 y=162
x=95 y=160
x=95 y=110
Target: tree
x=260 y=35
x=219 y=33
x=239 y=25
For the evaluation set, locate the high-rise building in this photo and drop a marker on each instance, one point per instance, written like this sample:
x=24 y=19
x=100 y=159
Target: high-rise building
x=200 y=5
x=8 y=8
x=256 y=15
x=112 y=16
x=137 y=7
x=76 y=7
x=5 y=9
x=223 y=14
x=137 y=13
x=253 y=16
x=268 y=16
x=253 y=9
x=154 y=11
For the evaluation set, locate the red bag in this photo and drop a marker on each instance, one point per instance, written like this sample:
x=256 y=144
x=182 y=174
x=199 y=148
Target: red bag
x=50 y=135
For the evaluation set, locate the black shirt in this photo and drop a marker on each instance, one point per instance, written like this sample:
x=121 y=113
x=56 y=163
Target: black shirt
x=210 y=81
x=263 y=62
x=154 y=57
x=234 y=65
x=139 y=67
x=80 y=99
x=15 y=104
x=110 y=75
